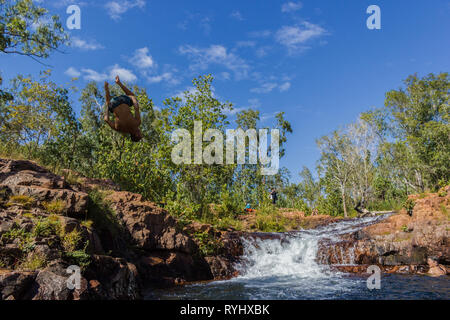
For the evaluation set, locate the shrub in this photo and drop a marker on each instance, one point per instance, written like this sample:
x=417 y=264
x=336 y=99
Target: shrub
x=207 y=243
x=102 y=216
x=71 y=240
x=409 y=206
x=79 y=258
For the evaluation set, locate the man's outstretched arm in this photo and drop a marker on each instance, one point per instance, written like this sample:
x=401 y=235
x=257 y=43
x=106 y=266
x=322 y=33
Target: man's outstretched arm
x=106 y=111
x=125 y=89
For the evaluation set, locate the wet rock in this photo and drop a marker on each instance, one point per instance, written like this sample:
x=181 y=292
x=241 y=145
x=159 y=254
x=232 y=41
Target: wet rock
x=169 y=268
x=112 y=278
x=221 y=267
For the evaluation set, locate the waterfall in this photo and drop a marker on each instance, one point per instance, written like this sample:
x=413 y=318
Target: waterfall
x=294 y=254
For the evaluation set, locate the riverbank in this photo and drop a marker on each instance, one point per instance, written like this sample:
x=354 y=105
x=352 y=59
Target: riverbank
x=124 y=245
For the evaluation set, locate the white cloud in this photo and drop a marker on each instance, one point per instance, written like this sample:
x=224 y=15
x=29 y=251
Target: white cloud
x=93 y=75
x=262 y=51
x=124 y=74
x=85 y=45
x=216 y=54
x=291 y=6
x=142 y=59
x=237 y=15
x=285 y=86
x=225 y=75
x=294 y=37
x=264 y=88
x=116 y=9
x=168 y=77
x=204 y=22
x=270 y=86
x=72 y=72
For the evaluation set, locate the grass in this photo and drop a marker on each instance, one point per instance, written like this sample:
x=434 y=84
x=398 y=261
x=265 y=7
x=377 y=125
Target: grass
x=444 y=210
x=88 y=224
x=101 y=214
x=33 y=262
x=270 y=223
x=23 y=238
x=71 y=177
x=71 y=240
x=46 y=227
x=21 y=200
x=57 y=207
x=228 y=222
x=71 y=243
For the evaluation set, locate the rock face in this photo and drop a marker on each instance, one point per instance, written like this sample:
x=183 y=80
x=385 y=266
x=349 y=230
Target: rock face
x=146 y=246
x=21 y=177
x=401 y=241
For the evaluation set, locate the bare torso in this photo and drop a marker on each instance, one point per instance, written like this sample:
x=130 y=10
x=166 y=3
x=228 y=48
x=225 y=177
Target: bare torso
x=125 y=121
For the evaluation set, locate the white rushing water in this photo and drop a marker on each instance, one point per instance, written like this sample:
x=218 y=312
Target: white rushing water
x=285 y=267
x=295 y=253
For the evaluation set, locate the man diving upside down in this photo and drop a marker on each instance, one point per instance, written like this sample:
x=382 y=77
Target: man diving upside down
x=125 y=122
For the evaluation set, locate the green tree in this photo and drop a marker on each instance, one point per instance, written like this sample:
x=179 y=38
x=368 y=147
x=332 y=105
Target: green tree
x=418 y=119
x=27 y=29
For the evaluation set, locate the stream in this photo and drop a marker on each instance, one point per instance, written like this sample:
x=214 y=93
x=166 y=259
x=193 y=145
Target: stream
x=285 y=268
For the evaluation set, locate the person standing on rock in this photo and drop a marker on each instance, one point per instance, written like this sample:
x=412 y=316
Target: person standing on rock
x=274 y=196
x=120 y=106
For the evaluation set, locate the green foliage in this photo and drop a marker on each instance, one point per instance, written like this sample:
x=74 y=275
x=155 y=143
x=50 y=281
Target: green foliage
x=20 y=236
x=21 y=200
x=102 y=216
x=56 y=207
x=409 y=206
x=270 y=223
x=33 y=261
x=208 y=244
x=27 y=29
x=46 y=227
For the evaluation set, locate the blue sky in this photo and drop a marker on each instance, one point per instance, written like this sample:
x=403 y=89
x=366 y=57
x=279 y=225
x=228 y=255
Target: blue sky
x=315 y=60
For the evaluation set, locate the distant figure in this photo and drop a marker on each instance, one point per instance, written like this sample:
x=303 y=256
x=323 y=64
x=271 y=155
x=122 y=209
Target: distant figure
x=274 y=196
x=125 y=121
x=248 y=208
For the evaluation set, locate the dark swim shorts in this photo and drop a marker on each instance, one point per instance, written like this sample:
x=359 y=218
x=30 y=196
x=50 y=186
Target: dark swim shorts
x=117 y=101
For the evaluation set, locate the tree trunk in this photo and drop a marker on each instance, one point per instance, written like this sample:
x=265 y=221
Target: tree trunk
x=343 y=203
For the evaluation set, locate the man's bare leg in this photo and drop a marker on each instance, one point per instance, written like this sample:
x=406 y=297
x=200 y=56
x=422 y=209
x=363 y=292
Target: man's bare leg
x=106 y=111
